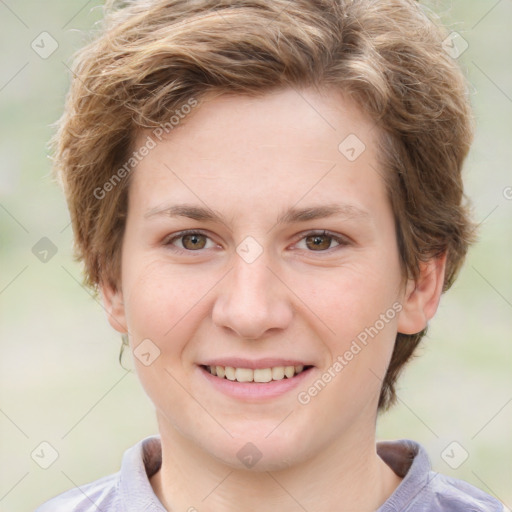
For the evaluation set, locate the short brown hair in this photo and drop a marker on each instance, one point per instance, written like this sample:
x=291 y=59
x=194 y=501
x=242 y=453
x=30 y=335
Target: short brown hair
x=152 y=56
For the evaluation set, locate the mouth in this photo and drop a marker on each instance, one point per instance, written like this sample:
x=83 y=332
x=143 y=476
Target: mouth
x=256 y=375
x=255 y=380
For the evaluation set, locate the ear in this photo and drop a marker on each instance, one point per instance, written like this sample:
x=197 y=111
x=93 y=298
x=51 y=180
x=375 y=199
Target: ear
x=114 y=306
x=422 y=296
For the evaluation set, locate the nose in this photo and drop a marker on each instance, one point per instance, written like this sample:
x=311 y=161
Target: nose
x=252 y=300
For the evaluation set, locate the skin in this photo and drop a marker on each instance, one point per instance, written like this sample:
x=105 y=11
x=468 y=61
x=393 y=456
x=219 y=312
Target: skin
x=249 y=160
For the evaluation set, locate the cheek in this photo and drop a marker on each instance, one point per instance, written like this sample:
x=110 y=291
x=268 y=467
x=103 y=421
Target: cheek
x=163 y=306
x=164 y=303
x=358 y=306
x=351 y=298
x=363 y=319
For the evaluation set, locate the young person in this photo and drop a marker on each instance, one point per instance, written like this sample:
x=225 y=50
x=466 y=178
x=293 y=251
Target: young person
x=268 y=196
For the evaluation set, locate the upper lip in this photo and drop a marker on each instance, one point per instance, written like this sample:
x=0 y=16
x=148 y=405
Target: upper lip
x=253 y=364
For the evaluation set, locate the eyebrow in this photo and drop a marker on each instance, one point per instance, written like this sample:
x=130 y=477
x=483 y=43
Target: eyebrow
x=291 y=215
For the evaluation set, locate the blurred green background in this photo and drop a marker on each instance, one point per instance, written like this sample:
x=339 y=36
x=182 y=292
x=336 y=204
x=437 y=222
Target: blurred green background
x=61 y=382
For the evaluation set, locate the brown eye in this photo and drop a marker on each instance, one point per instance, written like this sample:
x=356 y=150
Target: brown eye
x=322 y=241
x=188 y=242
x=194 y=241
x=318 y=242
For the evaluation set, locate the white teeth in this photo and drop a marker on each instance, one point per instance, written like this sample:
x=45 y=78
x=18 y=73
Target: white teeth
x=289 y=371
x=278 y=373
x=257 y=375
x=263 y=375
x=244 y=375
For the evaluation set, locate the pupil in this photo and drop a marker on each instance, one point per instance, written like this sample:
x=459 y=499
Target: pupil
x=320 y=241
x=193 y=241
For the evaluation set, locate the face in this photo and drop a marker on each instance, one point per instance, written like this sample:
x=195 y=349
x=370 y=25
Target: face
x=260 y=242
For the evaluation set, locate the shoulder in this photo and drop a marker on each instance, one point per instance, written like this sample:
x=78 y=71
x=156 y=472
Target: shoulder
x=450 y=494
x=423 y=490
x=128 y=489
x=101 y=494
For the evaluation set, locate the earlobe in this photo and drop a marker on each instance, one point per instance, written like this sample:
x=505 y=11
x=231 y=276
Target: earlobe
x=421 y=297
x=114 y=307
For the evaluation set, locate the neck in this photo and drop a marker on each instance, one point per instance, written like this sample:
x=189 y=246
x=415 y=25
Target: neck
x=348 y=476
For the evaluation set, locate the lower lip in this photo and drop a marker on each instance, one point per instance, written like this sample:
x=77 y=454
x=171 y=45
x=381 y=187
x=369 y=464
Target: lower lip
x=255 y=390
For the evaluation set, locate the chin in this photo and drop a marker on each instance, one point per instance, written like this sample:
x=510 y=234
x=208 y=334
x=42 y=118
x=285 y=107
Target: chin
x=259 y=454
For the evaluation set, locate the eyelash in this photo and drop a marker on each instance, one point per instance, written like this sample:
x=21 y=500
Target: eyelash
x=340 y=240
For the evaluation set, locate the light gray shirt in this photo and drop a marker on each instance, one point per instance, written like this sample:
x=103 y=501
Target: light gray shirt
x=421 y=490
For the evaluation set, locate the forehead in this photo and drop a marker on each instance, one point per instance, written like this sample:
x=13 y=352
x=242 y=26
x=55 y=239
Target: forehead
x=328 y=113
x=280 y=146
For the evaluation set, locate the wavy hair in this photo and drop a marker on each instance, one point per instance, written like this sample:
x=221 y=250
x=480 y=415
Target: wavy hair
x=151 y=56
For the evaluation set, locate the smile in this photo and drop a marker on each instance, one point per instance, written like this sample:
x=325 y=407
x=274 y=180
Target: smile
x=260 y=375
